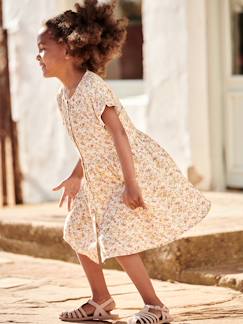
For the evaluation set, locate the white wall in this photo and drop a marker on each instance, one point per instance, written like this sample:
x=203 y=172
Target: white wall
x=166 y=76
x=198 y=89
x=175 y=71
x=46 y=154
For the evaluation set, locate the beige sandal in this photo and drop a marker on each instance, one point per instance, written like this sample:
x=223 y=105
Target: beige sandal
x=79 y=314
x=146 y=317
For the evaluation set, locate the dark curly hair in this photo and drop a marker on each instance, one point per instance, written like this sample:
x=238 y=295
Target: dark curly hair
x=92 y=33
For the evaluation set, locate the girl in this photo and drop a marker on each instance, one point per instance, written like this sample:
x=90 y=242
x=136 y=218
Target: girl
x=125 y=193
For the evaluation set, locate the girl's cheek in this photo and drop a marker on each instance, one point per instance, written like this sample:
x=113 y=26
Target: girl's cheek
x=45 y=58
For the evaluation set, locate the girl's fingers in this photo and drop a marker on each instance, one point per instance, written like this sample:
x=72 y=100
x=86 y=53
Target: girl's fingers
x=132 y=204
x=143 y=204
x=126 y=202
x=58 y=187
x=69 y=203
x=62 y=199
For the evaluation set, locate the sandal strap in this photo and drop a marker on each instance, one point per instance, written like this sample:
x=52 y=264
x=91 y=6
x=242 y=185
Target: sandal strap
x=99 y=308
x=82 y=311
x=164 y=310
x=152 y=316
x=79 y=313
x=147 y=317
x=107 y=302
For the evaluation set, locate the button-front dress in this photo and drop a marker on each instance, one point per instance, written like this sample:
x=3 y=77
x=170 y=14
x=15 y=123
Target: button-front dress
x=100 y=225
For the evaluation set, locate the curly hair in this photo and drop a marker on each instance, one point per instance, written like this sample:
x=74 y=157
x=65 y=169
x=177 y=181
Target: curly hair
x=92 y=34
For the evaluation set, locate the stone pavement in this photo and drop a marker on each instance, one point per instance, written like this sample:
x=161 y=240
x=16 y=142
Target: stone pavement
x=35 y=290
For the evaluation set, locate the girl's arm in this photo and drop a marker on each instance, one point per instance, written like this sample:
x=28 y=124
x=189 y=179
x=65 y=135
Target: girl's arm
x=132 y=195
x=78 y=170
x=123 y=148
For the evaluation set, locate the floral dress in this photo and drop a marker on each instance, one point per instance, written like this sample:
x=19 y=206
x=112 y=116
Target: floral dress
x=100 y=225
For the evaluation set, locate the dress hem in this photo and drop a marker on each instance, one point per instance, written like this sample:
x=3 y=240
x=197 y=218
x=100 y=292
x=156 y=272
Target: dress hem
x=162 y=242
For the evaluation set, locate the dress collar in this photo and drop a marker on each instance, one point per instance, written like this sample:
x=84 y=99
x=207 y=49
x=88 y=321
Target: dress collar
x=76 y=89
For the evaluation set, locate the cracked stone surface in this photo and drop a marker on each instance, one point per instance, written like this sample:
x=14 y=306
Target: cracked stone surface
x=34 y=290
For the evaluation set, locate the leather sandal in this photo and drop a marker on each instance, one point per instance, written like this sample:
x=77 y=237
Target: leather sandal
x=80 y=314
x=146 y=317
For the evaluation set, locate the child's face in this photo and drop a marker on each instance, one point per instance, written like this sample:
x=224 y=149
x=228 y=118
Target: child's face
x=52 y=55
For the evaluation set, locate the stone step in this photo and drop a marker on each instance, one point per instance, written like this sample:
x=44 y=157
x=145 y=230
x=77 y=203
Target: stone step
x=37 y=230
x=195 y=252
x=227 y=275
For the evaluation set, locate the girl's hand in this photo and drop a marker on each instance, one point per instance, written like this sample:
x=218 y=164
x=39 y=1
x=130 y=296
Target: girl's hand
x=132 y=196
x=71 y=187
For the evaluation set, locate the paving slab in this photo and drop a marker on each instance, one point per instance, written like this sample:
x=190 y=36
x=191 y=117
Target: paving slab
x=35 y=290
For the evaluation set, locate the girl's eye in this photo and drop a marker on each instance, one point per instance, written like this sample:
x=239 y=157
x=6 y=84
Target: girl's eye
x=41 y=49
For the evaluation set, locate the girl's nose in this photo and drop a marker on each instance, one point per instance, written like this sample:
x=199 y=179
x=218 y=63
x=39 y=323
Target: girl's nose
x=38 y=57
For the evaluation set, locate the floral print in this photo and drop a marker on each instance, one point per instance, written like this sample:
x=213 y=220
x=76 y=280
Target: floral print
x=100 y=225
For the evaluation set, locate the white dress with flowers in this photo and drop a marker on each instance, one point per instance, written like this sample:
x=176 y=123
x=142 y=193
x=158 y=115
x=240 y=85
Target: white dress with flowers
x=99 y=217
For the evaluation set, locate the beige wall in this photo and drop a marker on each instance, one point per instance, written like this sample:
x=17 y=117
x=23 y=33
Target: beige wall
x=197 y=96
x=166 y=74
x=198 y=89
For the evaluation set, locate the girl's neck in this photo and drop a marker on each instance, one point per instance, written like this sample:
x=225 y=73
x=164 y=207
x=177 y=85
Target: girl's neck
x=71 y=79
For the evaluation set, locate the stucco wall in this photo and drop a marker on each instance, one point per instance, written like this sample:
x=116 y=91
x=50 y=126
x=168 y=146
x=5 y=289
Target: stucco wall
x=46 y=154
x=175 y=72
x=176 y=83
x=166 y=76
x=198 y=96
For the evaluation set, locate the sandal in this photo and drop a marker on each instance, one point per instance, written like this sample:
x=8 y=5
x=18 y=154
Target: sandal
x=146 y=317
x=80 y=314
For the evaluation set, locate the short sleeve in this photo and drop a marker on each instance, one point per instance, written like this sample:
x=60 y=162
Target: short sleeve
x=105 y=96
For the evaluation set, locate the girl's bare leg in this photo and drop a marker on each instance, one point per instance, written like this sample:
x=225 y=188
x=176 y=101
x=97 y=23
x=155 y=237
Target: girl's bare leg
x=136 y=270
x=97 y=283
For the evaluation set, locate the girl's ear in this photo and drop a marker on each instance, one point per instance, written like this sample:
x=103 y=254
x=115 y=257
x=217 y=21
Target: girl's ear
x=67 y=56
